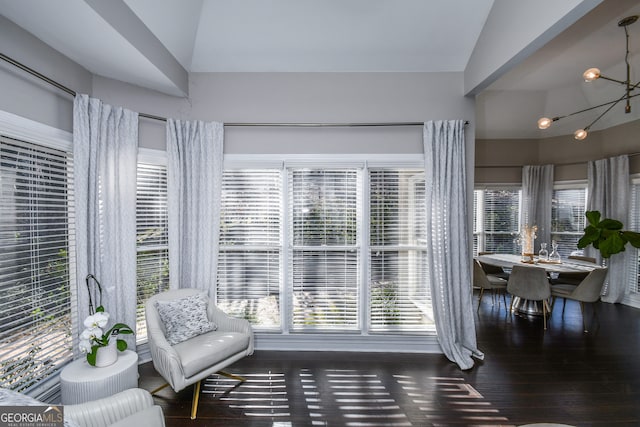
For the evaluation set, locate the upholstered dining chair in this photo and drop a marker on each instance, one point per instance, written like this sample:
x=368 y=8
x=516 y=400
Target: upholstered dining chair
x=493 y=270
x=483 y=282
x=573 y=278
x=191 y=339
x=588 y=291
x=530 y=283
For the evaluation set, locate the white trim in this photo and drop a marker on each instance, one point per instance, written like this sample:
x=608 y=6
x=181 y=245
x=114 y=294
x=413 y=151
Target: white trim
x=151 y=156
x=348 y=342
x=18 y=127
x=342 y=160
x=568 y=185
x=498 y=186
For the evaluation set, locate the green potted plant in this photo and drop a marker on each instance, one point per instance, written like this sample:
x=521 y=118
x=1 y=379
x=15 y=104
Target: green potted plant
x=607 y=235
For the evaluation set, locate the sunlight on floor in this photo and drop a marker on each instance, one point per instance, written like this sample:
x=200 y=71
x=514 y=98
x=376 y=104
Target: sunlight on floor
x=363 y=398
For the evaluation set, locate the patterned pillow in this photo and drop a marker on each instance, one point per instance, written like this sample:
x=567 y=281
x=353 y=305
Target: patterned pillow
x=185 y=318
x=13 y=398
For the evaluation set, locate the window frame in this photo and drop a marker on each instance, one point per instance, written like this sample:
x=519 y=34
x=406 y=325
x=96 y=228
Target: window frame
x=478 y=230
x=360 y=340
x=27 y=130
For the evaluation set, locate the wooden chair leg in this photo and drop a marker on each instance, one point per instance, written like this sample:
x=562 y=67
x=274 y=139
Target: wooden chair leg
x=196 y=398
x=480 y=298
x=544 y=314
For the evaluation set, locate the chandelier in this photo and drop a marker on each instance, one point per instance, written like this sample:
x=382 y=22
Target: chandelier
x=593 y=74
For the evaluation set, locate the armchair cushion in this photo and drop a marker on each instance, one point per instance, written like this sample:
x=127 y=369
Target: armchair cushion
x=220 y=346
x=185 y=318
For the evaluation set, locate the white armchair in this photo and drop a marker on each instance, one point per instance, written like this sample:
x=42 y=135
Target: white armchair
x=190 y=361
x=132 y=407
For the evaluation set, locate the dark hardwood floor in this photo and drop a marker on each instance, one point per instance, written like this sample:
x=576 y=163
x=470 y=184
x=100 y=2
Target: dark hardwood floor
x=528 y=375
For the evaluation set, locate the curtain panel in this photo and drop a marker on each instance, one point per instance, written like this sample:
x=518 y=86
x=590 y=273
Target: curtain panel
x=537 y=196
x=448 y=259
x=608 y=191
x=194 y=182
x=105 y=150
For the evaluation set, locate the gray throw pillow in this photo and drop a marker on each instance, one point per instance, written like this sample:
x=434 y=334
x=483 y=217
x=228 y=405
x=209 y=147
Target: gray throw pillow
x=185 y=318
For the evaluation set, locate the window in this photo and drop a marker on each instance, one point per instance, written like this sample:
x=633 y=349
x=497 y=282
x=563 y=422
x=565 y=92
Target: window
x=399 y=293
x=152 y=266
x=324 y=207
x=328 y=247
x=496 y=220
x=36 y=229
x=249 y=261
x=567 y=218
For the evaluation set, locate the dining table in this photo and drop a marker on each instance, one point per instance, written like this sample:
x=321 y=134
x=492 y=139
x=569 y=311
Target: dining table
x=509 y=260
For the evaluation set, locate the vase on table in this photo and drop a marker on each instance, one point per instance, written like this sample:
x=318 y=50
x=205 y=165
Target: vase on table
x=554 y=256
x=543 y=255
x=107 y=355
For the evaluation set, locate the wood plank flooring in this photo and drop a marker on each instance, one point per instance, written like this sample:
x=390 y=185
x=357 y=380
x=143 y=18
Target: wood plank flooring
x=561 y=375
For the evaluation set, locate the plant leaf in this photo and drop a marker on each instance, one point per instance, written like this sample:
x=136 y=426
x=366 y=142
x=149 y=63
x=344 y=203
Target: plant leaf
x=591 y=235
x=91 y=357
x=121 y=344
x=610 y=224
x=632 y=237
x=612 y=245
x=593 y=217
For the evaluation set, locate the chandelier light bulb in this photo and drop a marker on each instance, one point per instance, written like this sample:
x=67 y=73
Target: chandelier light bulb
x=544 y=123
x=591 y=74
x=580 y=134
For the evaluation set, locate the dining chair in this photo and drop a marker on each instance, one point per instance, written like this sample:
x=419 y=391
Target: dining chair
x=573 y=278
x=493 y=270
x=483 y=281
x=588 y=291
x=530 y=283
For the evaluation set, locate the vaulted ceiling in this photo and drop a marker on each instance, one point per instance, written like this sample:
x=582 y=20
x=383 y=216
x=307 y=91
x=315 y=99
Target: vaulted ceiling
x=157 y=43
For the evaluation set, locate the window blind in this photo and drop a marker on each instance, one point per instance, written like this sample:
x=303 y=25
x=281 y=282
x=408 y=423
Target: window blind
x=567 y=219
x=249 y=261
x=152 y=266
x=634 y=225
x=399 y=295
x=500 y=219
x=36 y=226
x=325 y=209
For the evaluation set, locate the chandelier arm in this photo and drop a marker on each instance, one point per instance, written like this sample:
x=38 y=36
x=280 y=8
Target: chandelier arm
x=615 y=101
x=613 y=80
x=613 y=104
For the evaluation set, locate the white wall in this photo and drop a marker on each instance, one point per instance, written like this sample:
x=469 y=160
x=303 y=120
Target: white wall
x=29 y=97
x=304 y=97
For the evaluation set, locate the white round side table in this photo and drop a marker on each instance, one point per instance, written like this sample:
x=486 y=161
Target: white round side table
x=81 y=382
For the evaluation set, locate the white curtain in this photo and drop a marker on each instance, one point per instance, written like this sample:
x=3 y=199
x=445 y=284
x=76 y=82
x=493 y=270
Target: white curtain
x=194 y=151
x=105 y=150
x=537 y=195
x=608 y=192
x=448 y=260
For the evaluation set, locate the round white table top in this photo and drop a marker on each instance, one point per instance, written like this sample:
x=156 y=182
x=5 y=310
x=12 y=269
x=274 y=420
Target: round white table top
x=80 y=370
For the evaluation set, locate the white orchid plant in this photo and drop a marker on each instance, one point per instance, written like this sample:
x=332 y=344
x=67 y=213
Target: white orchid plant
x=94 y=335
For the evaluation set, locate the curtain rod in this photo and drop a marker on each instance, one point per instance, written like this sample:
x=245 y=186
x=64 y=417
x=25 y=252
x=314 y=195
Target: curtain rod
x=555 y=164
x=164 y=119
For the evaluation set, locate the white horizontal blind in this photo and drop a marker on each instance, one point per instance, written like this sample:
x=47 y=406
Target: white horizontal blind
x=152 y=267
x=325 y=210
x=634 y=225
x=500 y=214
x=400 y=299
x=249 y=261
x=36 y=225
x=567 y=218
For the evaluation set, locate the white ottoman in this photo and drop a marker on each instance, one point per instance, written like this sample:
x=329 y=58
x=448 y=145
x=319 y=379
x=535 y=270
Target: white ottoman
x=81 y=382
